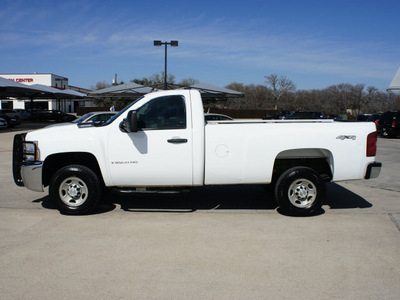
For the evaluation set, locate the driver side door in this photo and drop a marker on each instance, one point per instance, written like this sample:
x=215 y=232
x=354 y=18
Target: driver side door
x=160 y=152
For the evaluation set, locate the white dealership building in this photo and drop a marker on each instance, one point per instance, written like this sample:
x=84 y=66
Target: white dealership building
x=55 y=81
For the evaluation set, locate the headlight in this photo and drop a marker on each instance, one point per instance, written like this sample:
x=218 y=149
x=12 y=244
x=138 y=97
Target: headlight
x=31 y=151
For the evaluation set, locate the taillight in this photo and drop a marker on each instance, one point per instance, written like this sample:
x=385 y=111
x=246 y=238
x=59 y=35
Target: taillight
x=377 y=122
x=394 y=123
x=371 y=144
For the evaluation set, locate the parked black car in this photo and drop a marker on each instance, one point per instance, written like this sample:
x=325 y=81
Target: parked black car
x=389 y=124
x=336 y=117
x=300 y=115
x=11 y=119
x=23 y=113
x=277 y=116
x=363 y=117
x=368 y=117
x=3 y=123
x=51 y=115
x=374 y=117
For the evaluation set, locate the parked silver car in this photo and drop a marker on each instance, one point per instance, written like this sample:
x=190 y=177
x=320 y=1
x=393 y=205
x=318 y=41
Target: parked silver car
x=216 y=117
x=95 y=117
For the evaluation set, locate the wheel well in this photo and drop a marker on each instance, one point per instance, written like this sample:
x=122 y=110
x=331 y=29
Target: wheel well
x=320 y=160
x=57 y=161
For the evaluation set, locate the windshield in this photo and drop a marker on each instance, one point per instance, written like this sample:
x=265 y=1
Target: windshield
x=121 y=112
x=83 y=118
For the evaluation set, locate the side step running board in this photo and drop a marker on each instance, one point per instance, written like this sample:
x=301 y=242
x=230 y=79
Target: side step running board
x=125 y=191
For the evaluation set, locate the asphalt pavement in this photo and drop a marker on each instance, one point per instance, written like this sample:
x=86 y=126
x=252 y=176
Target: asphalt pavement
x=213 y=243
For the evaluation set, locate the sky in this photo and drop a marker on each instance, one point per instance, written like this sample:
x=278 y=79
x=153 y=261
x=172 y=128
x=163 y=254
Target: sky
x=313 y=43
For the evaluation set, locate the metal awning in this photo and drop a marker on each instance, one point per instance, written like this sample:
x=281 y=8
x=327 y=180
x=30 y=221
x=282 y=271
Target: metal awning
x=12 y=89
x=129 y=89
x=57 y=93
x=209 y=91
x=395 y=84
x=74 y=93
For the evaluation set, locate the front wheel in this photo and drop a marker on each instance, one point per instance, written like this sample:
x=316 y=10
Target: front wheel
x=75 y=189
x=300 y=191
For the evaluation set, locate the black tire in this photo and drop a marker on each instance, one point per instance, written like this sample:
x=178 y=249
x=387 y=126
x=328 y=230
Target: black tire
x=75 y=189
x=300 y=191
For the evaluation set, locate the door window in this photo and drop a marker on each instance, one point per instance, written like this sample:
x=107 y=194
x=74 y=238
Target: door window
x=168 y=112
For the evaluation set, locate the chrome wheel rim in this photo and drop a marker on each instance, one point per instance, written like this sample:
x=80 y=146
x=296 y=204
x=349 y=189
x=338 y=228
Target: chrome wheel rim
x=73 y=191
x=302 y=193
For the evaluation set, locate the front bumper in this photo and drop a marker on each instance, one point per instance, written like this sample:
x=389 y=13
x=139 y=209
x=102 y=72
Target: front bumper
x=373 y=170
x=26 y=174
x=32 y=176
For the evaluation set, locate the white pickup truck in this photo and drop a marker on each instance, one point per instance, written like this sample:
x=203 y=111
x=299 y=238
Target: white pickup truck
x=161 y=142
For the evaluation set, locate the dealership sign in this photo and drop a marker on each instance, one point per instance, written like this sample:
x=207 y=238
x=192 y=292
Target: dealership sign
x=22 y=80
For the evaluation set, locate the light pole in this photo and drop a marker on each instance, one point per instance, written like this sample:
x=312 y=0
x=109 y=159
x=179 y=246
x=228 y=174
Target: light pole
x=173 y=44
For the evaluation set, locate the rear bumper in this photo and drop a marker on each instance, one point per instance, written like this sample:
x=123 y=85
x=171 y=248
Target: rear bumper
x=373 y=170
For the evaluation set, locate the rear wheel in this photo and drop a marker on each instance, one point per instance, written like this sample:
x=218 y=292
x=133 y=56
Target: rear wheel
x=75 y=189
x=300 y=191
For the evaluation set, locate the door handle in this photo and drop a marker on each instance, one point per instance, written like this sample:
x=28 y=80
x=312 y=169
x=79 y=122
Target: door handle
x=177 y=141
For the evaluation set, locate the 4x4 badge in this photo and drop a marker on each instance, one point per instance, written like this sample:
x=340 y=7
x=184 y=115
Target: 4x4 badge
x=346 y=137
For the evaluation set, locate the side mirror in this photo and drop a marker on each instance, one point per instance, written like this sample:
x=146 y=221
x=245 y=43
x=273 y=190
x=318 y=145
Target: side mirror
x=131 y=122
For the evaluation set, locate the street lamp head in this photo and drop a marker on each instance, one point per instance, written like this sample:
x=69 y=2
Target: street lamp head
x=173 y=44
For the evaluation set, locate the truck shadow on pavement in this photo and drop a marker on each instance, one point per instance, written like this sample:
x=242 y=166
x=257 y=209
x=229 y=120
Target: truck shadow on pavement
x=203 y=198
x=237 y=197
x=339 y=197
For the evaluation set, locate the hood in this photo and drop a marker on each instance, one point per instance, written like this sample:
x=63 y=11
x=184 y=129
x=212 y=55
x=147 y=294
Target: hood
x=52 y=130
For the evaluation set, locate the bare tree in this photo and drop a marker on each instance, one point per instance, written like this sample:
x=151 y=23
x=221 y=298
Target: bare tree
x=236 y=103
x=256 y=97
x=158 y=78
x=281 y=92
x=307 y=100
x=155 y=80
x=188 y=81
x=102 y=101
x=358 y=99
x=280 y=85
x=100 y=85
x=339 y=97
